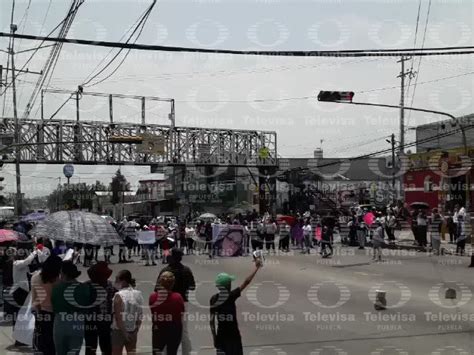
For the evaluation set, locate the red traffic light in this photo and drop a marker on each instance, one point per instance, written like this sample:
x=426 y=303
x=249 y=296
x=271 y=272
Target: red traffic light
x=336 y=96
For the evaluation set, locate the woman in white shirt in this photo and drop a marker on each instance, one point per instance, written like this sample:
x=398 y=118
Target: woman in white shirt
x=307 y=232
x=127 y=314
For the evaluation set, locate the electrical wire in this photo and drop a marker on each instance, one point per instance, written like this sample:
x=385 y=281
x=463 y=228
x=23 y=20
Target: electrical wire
x=45 y=16
x=51 y=62
x=134 y=26
x=419 y=60
x=351 y=53
x=421 y=83
x=226 y=72
x=385 y=151
x=351 y=146
x=36 y=50
x=24 y=19
x=139 y=27
x=414 y=46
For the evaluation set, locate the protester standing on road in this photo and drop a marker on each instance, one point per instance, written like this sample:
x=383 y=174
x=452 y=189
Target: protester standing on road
x=390 y=223
x=326 y=241
x=353 y=230
x=461 y=235
x=361 y=229
x=127 y=309
x=167 y=308
x=435 y=231
x=284 y=243
x=42 y=284
x=256 y=235
x=97 y=326
x=270 y=231
x=307 y=236
x=455 y=221
x=378 y=240
x=190 y=234
x=451 y=226
x=184 y=282
x=227 y=338
x=68 y=298
x=414 y=227
x=422 y=226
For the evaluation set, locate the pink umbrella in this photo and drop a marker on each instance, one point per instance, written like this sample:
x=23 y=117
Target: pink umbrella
x=7 y=235
x=369 y=218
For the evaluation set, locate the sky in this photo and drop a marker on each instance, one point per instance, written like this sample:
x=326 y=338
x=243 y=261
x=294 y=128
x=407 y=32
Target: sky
x=217 y=90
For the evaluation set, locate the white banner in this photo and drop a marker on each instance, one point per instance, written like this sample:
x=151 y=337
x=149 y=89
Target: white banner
x=146 y=237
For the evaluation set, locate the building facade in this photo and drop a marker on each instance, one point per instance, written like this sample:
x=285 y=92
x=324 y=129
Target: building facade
x=440 y=172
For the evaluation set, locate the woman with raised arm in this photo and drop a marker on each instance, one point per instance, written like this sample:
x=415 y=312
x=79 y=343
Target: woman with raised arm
x=227 y=339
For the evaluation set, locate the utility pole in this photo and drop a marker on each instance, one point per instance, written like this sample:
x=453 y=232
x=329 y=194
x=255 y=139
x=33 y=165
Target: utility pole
x=402 y=76
x=392 y=140
x=18 y=200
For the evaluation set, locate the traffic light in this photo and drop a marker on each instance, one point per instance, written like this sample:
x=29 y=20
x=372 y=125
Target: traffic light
x=336 y=96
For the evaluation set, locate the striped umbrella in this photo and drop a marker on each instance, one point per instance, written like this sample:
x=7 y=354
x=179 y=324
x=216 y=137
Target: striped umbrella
x=79 y=227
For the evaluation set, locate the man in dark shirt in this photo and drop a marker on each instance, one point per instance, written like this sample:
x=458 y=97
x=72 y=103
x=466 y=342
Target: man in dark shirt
x=227 y=339
x=184 y=281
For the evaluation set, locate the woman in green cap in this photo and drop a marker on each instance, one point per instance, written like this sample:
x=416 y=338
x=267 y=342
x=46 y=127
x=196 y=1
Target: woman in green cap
x=227 y=339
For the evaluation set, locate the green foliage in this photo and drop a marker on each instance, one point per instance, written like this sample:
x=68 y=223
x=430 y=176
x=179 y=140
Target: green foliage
x=80 y=195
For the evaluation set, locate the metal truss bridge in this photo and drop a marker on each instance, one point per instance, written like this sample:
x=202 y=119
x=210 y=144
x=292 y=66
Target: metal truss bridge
x=50 y=141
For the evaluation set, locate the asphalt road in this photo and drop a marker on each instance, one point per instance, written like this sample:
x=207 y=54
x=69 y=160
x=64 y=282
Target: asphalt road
x=303 y=304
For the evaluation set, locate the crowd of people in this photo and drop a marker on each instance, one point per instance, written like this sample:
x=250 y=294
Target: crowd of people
x=108 y=315
x=298 y=231
x=453 y=223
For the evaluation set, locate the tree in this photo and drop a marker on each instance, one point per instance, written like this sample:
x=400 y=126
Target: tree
x=118 y=185
x=69 y=196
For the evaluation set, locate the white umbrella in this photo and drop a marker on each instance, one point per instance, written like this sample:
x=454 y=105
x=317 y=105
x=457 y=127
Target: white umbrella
x=79 y=227
x=207 y=216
